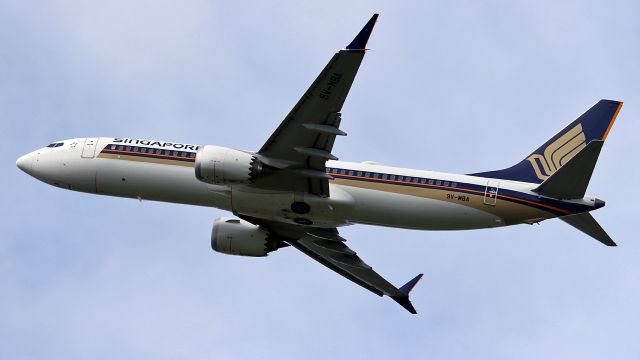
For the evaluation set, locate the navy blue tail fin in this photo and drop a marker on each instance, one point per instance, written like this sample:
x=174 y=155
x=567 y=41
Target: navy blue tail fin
x=594 y=124
x=403 y=300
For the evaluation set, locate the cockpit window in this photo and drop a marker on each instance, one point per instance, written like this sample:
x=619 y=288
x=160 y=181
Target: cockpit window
x=55 y=145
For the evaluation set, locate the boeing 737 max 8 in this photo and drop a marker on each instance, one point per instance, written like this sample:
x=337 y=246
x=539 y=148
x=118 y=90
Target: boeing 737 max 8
x=295 y=192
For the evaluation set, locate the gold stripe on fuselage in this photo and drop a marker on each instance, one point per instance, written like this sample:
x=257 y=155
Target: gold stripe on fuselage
x=510 y=212
x=146 y=159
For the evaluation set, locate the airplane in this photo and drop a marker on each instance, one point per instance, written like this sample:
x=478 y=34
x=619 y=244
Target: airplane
x=294 y=192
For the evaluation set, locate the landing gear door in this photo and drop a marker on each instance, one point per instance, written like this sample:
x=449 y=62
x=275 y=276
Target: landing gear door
x=491 y=192
x=89 y=148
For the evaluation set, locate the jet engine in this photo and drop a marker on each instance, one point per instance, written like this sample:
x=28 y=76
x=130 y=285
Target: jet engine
x=238 y=237
x=223 y=166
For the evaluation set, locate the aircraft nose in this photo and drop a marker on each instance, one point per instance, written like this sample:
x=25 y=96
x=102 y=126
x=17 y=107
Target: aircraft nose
x=25 y=163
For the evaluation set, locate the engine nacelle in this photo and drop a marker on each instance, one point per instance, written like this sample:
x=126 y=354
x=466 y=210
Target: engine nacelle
x=223 y=166
x=238 y=237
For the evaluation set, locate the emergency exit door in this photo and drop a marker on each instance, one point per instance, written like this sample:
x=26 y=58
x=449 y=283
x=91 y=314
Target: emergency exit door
x=491 y=192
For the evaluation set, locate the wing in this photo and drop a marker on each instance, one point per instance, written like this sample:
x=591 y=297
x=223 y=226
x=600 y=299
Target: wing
x=301 y=145
x=327 y=247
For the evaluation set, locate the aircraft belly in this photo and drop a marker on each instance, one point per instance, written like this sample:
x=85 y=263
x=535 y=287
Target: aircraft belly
x=415 y=211
x=158 y=182
x=278 y=206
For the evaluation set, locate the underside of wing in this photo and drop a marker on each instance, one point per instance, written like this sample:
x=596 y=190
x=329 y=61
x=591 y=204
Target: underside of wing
x=299 y=148
x=327 y=247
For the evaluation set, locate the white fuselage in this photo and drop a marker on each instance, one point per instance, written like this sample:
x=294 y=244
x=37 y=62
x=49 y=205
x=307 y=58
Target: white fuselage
x=359 y=193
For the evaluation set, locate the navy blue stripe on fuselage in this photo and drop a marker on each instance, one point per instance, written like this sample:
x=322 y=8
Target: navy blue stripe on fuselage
x=148 y=152
x=556 y=207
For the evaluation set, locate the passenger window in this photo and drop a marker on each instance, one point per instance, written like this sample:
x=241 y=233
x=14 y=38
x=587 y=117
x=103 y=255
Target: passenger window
x=367 y=174
x=192 y=155
x=430 y=181
x=415 y=180
x=184 y=154
x=439 y=182
x=113 y=147
x=135 y=149
x=158 y=151
x=446 y=183
x=128 y=148
x=351 y=172
x=167 y=152
x=392 y=177
x=175 y=153
x=423 y=181
x=359 y=173
x=454 y=184
x=120 y=147
x=384 y=176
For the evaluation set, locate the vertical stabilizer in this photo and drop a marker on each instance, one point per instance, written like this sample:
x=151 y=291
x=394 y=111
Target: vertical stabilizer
x=594 y=124
x=572 y=179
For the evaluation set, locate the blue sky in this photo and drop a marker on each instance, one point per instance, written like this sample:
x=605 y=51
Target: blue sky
x=460 y=86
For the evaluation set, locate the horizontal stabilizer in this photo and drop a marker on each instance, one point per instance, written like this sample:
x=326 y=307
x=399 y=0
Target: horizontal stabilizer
x=572 y=179
x=588 y=225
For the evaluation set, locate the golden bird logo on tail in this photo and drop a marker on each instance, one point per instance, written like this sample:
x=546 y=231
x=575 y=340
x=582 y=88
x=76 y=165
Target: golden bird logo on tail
x=558 y=152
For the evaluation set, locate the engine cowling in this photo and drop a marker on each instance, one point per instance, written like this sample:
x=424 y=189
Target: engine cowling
x=238 y=237
x=223 y=166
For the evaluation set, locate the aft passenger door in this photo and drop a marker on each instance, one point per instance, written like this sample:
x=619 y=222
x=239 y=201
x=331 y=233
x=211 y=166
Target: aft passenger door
x=89 y=148
x=491 y=192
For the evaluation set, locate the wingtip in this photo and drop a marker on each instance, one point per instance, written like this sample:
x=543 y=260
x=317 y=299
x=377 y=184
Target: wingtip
x=406 y=288
x=360 y=41
x=403 y=300
x=405 y=303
